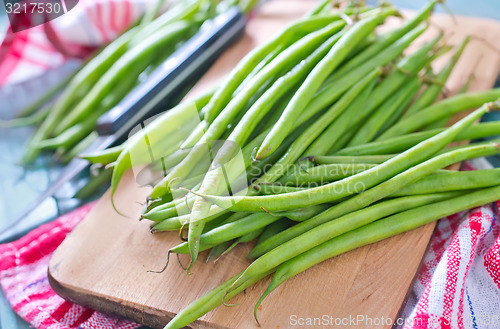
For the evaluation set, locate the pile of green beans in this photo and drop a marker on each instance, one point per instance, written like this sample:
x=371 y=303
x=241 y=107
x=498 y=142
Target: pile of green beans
x=314 y=139
x=68 y=126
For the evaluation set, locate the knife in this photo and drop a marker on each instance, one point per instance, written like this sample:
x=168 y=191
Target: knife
x=147 y=99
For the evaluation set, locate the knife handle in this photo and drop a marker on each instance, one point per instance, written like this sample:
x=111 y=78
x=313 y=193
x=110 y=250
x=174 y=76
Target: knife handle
x=176 y=73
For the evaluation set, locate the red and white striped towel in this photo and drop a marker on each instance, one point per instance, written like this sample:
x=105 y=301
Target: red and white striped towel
x=23 y=278
x=90 y=24
x=459 y=282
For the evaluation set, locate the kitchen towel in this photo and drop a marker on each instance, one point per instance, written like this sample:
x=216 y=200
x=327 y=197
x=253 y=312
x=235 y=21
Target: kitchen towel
x=23 y=278
x=458 y=285
x=76 y=34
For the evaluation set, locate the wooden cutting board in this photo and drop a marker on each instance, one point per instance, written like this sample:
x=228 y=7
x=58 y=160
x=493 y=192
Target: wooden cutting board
x=104 y=262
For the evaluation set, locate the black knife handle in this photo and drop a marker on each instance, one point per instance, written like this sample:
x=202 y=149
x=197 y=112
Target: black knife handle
x=174 y=74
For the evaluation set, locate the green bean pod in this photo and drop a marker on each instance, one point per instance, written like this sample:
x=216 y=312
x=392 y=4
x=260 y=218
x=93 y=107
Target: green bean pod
x=401 y=143
x=432 y=92
x=229 y=231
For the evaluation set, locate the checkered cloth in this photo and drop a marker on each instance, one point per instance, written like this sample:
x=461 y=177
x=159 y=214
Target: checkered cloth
x=23 y=278
x=76 y=34
x=459 y=282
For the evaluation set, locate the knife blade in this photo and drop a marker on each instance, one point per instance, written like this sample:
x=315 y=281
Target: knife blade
x=148 y=98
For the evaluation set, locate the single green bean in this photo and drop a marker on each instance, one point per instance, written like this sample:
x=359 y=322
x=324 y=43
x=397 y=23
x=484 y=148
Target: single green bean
x=401 y=143
x=387 y=39
x=350 y=185
x=315 y=129
x=453 y=181
x=103 y=157
x=439 y=110
x=337 y=128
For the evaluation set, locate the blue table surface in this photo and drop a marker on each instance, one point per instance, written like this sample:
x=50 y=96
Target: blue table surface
x=10 y=320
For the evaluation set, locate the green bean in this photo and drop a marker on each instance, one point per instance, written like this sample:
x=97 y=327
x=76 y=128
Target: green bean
x=30 y=120
x=377 y=193
x=176 y=223
x=135 y=58
x=380 y=230
x=388 y=108
x=103 y=157
x=396 y=116
x=333 y=133
x=325 y=232
x=229 y=231
x=314 y=80
x=347 y=186
x=331 y=159
x=300 y=215
x=453 y=181
x=439 y=110
x=77 y=87
x=433 y=91
x=326 y=173
x=387 y=39
x=249 y=62
x=400 y=143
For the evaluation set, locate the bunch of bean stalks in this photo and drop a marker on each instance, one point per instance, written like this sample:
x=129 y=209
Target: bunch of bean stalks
x=342 y=142
x=68 y=126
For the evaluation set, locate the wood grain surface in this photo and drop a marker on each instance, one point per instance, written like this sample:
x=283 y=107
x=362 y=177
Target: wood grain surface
x=104 y=262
